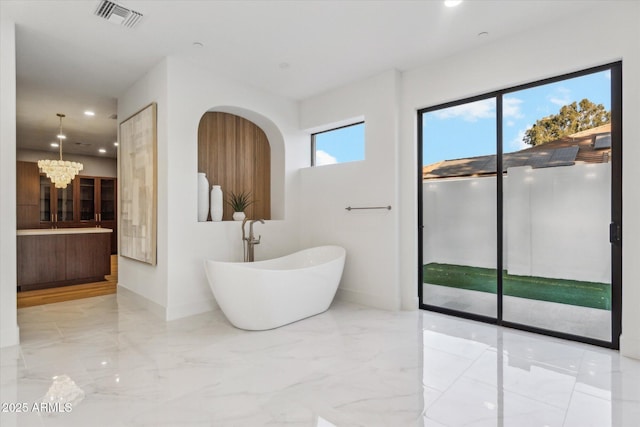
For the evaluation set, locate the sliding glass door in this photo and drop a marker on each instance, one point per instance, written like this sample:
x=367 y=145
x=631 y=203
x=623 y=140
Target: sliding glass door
x=520 y=206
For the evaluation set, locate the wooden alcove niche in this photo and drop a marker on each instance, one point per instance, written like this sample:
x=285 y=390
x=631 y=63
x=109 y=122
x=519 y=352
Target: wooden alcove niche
x=236 y=155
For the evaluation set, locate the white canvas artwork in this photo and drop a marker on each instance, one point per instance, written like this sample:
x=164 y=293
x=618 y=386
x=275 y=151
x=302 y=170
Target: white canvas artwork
x=138 y=176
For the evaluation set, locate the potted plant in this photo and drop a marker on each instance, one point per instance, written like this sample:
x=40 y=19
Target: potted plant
x=239 y=202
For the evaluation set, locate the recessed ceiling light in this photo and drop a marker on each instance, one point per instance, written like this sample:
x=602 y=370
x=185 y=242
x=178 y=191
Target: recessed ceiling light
x=452 y=3
x=102 y=150
x=61 y=136
x=89 y=113
x=55 y=144
x=115 y=143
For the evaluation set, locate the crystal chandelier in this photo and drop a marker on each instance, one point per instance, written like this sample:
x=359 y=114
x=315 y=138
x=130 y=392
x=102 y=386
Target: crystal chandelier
x=58 y=171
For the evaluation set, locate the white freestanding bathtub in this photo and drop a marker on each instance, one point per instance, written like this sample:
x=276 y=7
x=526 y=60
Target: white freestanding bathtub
x=268 y=294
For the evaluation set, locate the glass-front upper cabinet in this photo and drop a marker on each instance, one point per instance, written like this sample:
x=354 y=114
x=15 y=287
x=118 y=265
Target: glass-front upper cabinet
x=107 y=199
x=87 y=199
x=97 y=199
x=64 y=205
x=45 y=199
x=56 y=204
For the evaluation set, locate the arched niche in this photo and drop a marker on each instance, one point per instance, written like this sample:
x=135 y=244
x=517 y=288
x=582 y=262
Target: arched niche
x=241 y=151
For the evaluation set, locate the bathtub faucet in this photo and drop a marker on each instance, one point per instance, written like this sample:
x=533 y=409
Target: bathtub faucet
x=249 y=242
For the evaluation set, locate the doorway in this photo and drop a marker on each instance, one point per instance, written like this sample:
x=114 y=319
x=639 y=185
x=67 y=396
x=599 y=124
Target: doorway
x=520 y=210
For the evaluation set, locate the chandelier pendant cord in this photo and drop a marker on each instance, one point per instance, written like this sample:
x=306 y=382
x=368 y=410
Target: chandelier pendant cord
x=60 y=135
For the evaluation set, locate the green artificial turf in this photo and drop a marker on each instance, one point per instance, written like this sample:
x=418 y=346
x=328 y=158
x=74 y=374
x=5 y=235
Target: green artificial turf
x=585 y=294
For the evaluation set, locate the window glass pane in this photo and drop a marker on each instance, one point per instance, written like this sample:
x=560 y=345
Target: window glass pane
x=345 y=144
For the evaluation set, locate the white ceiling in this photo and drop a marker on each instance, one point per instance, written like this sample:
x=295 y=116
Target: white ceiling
x=69 y=60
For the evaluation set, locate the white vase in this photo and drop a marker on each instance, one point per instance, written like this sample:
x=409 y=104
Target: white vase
x=216 y=203
x=203 y=196
x=238 y=216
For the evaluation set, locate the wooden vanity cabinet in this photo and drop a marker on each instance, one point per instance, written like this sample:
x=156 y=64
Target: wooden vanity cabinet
x=63 y=256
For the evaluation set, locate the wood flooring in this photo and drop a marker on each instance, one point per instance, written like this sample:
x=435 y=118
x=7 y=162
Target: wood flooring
x=67 y=293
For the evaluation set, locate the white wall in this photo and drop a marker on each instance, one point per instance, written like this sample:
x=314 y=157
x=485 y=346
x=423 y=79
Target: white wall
x=92 y=166
x=529 y=57
x=150 y=282
x=556 y=222
x=184 y=93
x=9 y=334
x=370 y=236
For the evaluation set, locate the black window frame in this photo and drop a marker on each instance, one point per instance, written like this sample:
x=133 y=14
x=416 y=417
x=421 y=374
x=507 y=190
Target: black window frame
x=313 y=139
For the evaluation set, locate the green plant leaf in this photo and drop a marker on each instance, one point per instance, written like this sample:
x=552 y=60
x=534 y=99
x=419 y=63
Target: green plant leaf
x=240 y=201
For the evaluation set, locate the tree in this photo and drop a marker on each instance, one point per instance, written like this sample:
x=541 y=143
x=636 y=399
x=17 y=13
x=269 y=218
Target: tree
x=572 y=118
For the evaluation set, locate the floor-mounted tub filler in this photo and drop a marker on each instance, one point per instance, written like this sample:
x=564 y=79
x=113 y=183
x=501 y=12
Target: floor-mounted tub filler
x=268 y=294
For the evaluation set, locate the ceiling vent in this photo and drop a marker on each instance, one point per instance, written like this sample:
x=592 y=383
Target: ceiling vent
x=117 y=14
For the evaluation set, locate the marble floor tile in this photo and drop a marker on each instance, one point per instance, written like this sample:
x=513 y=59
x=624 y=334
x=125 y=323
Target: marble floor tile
x=472 y=403
x=349 y=366
x=529 y=378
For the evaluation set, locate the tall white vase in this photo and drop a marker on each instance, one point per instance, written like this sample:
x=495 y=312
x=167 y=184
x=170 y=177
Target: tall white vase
x=216 y=203
x=203 y=196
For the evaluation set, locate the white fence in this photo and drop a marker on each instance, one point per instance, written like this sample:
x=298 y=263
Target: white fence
x=556 y=222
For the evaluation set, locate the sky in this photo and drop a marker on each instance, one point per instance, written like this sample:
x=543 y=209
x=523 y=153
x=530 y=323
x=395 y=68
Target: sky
x=469 y=130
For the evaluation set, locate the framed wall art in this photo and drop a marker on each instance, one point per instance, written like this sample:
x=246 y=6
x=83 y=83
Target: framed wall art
x=138 y=185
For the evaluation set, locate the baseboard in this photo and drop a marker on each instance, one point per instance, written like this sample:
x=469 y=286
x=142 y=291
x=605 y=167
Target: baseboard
x=630 y=347
x=185 y=310
x=9 y=336
x=131 y=299
x=366 y=299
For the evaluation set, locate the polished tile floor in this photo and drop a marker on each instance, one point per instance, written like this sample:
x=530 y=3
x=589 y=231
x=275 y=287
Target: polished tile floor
x=350 y=366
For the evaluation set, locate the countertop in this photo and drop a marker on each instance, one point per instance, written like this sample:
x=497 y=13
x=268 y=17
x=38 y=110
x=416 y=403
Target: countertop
x=56 y=231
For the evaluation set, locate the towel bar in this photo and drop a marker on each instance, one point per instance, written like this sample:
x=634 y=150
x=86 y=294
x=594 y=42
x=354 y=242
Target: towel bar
x=349 y=208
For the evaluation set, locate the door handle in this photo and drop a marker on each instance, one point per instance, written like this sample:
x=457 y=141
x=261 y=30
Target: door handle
x=615 y=234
